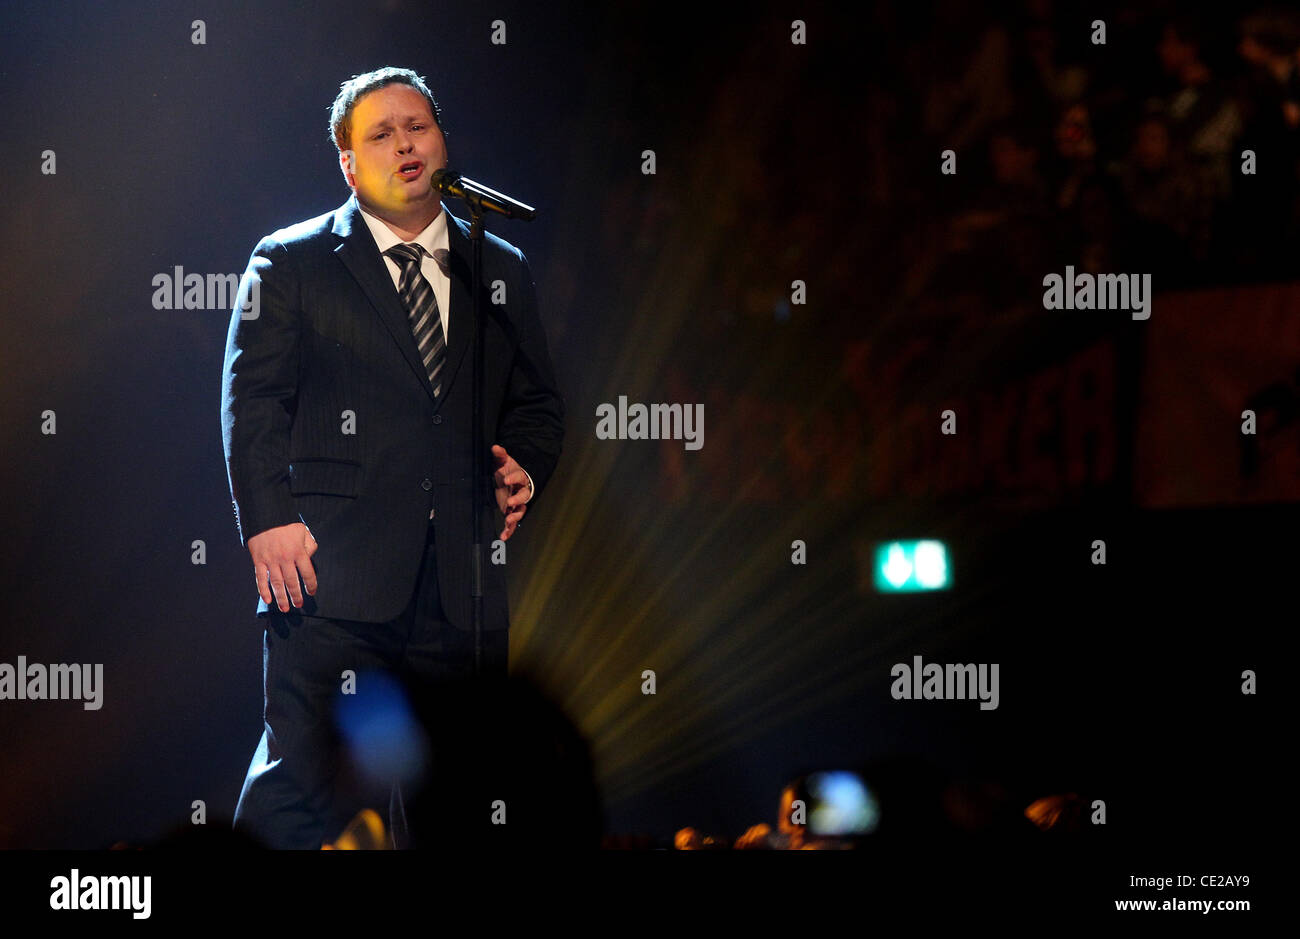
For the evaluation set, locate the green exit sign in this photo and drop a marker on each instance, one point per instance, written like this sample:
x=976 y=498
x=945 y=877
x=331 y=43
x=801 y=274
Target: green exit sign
x=907 y=566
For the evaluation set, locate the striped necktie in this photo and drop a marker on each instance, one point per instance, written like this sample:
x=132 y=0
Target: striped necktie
x=422 y=307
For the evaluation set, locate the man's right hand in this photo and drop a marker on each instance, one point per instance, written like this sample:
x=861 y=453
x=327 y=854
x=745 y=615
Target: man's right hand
x=279 y=556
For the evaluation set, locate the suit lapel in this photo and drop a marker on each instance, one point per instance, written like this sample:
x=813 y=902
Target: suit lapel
x=460 y=312
x=359 y=253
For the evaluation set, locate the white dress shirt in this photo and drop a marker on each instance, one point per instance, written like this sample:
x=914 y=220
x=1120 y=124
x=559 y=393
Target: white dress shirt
x=431 y=239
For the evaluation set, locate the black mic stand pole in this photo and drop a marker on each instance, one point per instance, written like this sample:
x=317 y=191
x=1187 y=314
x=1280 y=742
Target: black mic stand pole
x=474 y=201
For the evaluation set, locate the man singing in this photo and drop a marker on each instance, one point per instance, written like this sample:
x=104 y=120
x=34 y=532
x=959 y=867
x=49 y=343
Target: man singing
x=346 y=422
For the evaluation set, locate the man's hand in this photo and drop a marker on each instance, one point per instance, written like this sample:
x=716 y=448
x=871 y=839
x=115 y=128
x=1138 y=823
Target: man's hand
x=279 y=555
x=512 y=489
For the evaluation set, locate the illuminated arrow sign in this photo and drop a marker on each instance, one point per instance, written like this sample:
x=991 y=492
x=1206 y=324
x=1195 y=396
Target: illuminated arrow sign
x=906 y=566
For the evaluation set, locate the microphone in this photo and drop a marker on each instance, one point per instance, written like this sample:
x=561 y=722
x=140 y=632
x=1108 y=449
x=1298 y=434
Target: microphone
x=451 y=183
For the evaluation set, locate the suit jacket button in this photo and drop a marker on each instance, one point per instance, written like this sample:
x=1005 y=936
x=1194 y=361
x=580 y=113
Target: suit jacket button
x=426 y=484
x=437 y=418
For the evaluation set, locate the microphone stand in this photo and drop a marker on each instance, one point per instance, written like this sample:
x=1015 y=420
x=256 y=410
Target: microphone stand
x=474 y=194
x=474 y=201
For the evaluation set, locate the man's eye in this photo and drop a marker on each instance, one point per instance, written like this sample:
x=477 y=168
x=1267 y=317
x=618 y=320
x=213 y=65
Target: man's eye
x=380 y=134
x=417 y=127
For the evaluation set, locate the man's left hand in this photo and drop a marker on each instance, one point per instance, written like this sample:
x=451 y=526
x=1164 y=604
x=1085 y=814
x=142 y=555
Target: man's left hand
x=512 y=489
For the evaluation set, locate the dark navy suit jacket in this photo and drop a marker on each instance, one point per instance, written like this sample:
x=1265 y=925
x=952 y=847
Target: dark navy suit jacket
x=331 y=342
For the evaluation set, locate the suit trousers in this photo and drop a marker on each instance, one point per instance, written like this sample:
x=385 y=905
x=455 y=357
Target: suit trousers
x=296 y=793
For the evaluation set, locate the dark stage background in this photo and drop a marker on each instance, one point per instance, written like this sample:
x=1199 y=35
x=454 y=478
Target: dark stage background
x=776 y=162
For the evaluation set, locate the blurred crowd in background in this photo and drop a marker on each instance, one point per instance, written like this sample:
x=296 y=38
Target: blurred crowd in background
x=825 y=163
x=1124 y=156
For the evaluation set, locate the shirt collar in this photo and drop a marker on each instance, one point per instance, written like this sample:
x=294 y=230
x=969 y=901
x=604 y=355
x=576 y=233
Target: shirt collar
x=433 y=237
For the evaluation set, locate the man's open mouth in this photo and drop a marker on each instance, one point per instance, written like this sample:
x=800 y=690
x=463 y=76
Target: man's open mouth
x=410 y=170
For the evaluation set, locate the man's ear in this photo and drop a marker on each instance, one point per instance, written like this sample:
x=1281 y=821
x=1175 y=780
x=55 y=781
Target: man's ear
x=348 y=164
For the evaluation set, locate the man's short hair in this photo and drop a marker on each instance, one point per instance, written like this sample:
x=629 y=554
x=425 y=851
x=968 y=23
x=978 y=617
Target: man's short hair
x=356 y=87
